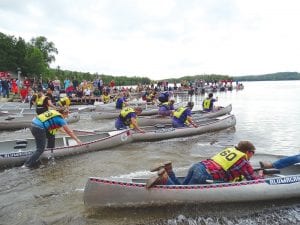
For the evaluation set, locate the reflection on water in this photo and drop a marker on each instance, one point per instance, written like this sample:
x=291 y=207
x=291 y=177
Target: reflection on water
x=267 y=113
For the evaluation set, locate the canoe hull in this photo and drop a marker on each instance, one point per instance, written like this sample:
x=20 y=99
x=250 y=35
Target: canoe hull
x=113 y=114
x=15 y=122
x=16 y=152
x=197 y=115
x=104 y=192
x=167 y=132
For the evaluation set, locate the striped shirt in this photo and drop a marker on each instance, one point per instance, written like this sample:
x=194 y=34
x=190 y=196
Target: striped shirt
x=241 y=168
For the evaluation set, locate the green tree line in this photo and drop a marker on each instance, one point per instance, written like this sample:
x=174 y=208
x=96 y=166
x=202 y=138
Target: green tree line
x=271 y=76
x=119 y=80
x=205 y=77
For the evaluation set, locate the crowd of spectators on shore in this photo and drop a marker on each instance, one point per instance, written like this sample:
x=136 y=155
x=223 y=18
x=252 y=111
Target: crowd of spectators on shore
x=86 y=90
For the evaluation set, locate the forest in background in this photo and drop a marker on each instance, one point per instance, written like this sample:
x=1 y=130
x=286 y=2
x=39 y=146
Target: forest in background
x=33 y=60
x=269 y=77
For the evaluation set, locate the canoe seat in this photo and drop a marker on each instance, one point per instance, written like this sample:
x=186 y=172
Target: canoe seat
x=71 y=142
x=19 y=146
x=21 y=142
x=159 y=126
x=10 y=118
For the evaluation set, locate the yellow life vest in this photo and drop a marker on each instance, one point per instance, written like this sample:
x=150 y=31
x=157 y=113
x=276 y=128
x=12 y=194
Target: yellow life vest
x=177 y=114
x=150 y=97
x=40 y=101
x=47 y=116
x=228 y=157
x=206 y=103
x=123 y=115
x=65 y=101
x=166 y=105
x=106 y=98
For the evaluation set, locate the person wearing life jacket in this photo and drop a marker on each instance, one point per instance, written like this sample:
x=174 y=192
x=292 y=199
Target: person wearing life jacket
x=43 y=128
x=164 y=96
x=121 y=102
x=41 y=102
x=64 y=102
x=151 y=98
x=208 y=103
x=182 y=117
x=105 y=97
x=226 y=166
x=128 y=118
x=166 y=108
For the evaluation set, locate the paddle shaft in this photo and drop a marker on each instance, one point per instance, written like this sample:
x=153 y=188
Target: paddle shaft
x=267 y=171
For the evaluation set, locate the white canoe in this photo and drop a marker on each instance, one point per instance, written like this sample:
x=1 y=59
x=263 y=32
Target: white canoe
x=112 y=105
x=166 y=131
x=20 y=121
x=73 y=117
x=14 y=122
x=198 y=114
x=27 y=111
x=101 y=192
x=220 y=112
x=114 y=113
x=15 y=152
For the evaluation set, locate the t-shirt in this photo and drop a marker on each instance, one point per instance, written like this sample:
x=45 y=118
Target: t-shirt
x=55 y=123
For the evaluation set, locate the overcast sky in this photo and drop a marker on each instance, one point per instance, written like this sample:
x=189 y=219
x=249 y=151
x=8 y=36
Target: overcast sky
x=162 y=38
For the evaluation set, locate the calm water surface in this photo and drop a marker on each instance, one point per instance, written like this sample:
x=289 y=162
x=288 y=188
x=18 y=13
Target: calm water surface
x=267 y=114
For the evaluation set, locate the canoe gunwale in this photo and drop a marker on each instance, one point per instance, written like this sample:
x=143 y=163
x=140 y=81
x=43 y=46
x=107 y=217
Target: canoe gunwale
x=178 y=187
x=106 y=192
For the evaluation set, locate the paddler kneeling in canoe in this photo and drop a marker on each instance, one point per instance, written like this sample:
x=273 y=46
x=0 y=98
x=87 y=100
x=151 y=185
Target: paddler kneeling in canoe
x=182 y=117
x=228 y=165
x=128 y=118
x=166 y=108
x=44 y=127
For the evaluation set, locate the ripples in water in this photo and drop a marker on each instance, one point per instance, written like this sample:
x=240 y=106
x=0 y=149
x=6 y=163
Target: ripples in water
x=256 y=213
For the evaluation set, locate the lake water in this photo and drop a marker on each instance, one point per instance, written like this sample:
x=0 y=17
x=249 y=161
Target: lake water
x=267 y=114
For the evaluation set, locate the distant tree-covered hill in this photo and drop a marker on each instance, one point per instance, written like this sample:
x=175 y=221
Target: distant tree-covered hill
x=271 y=76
